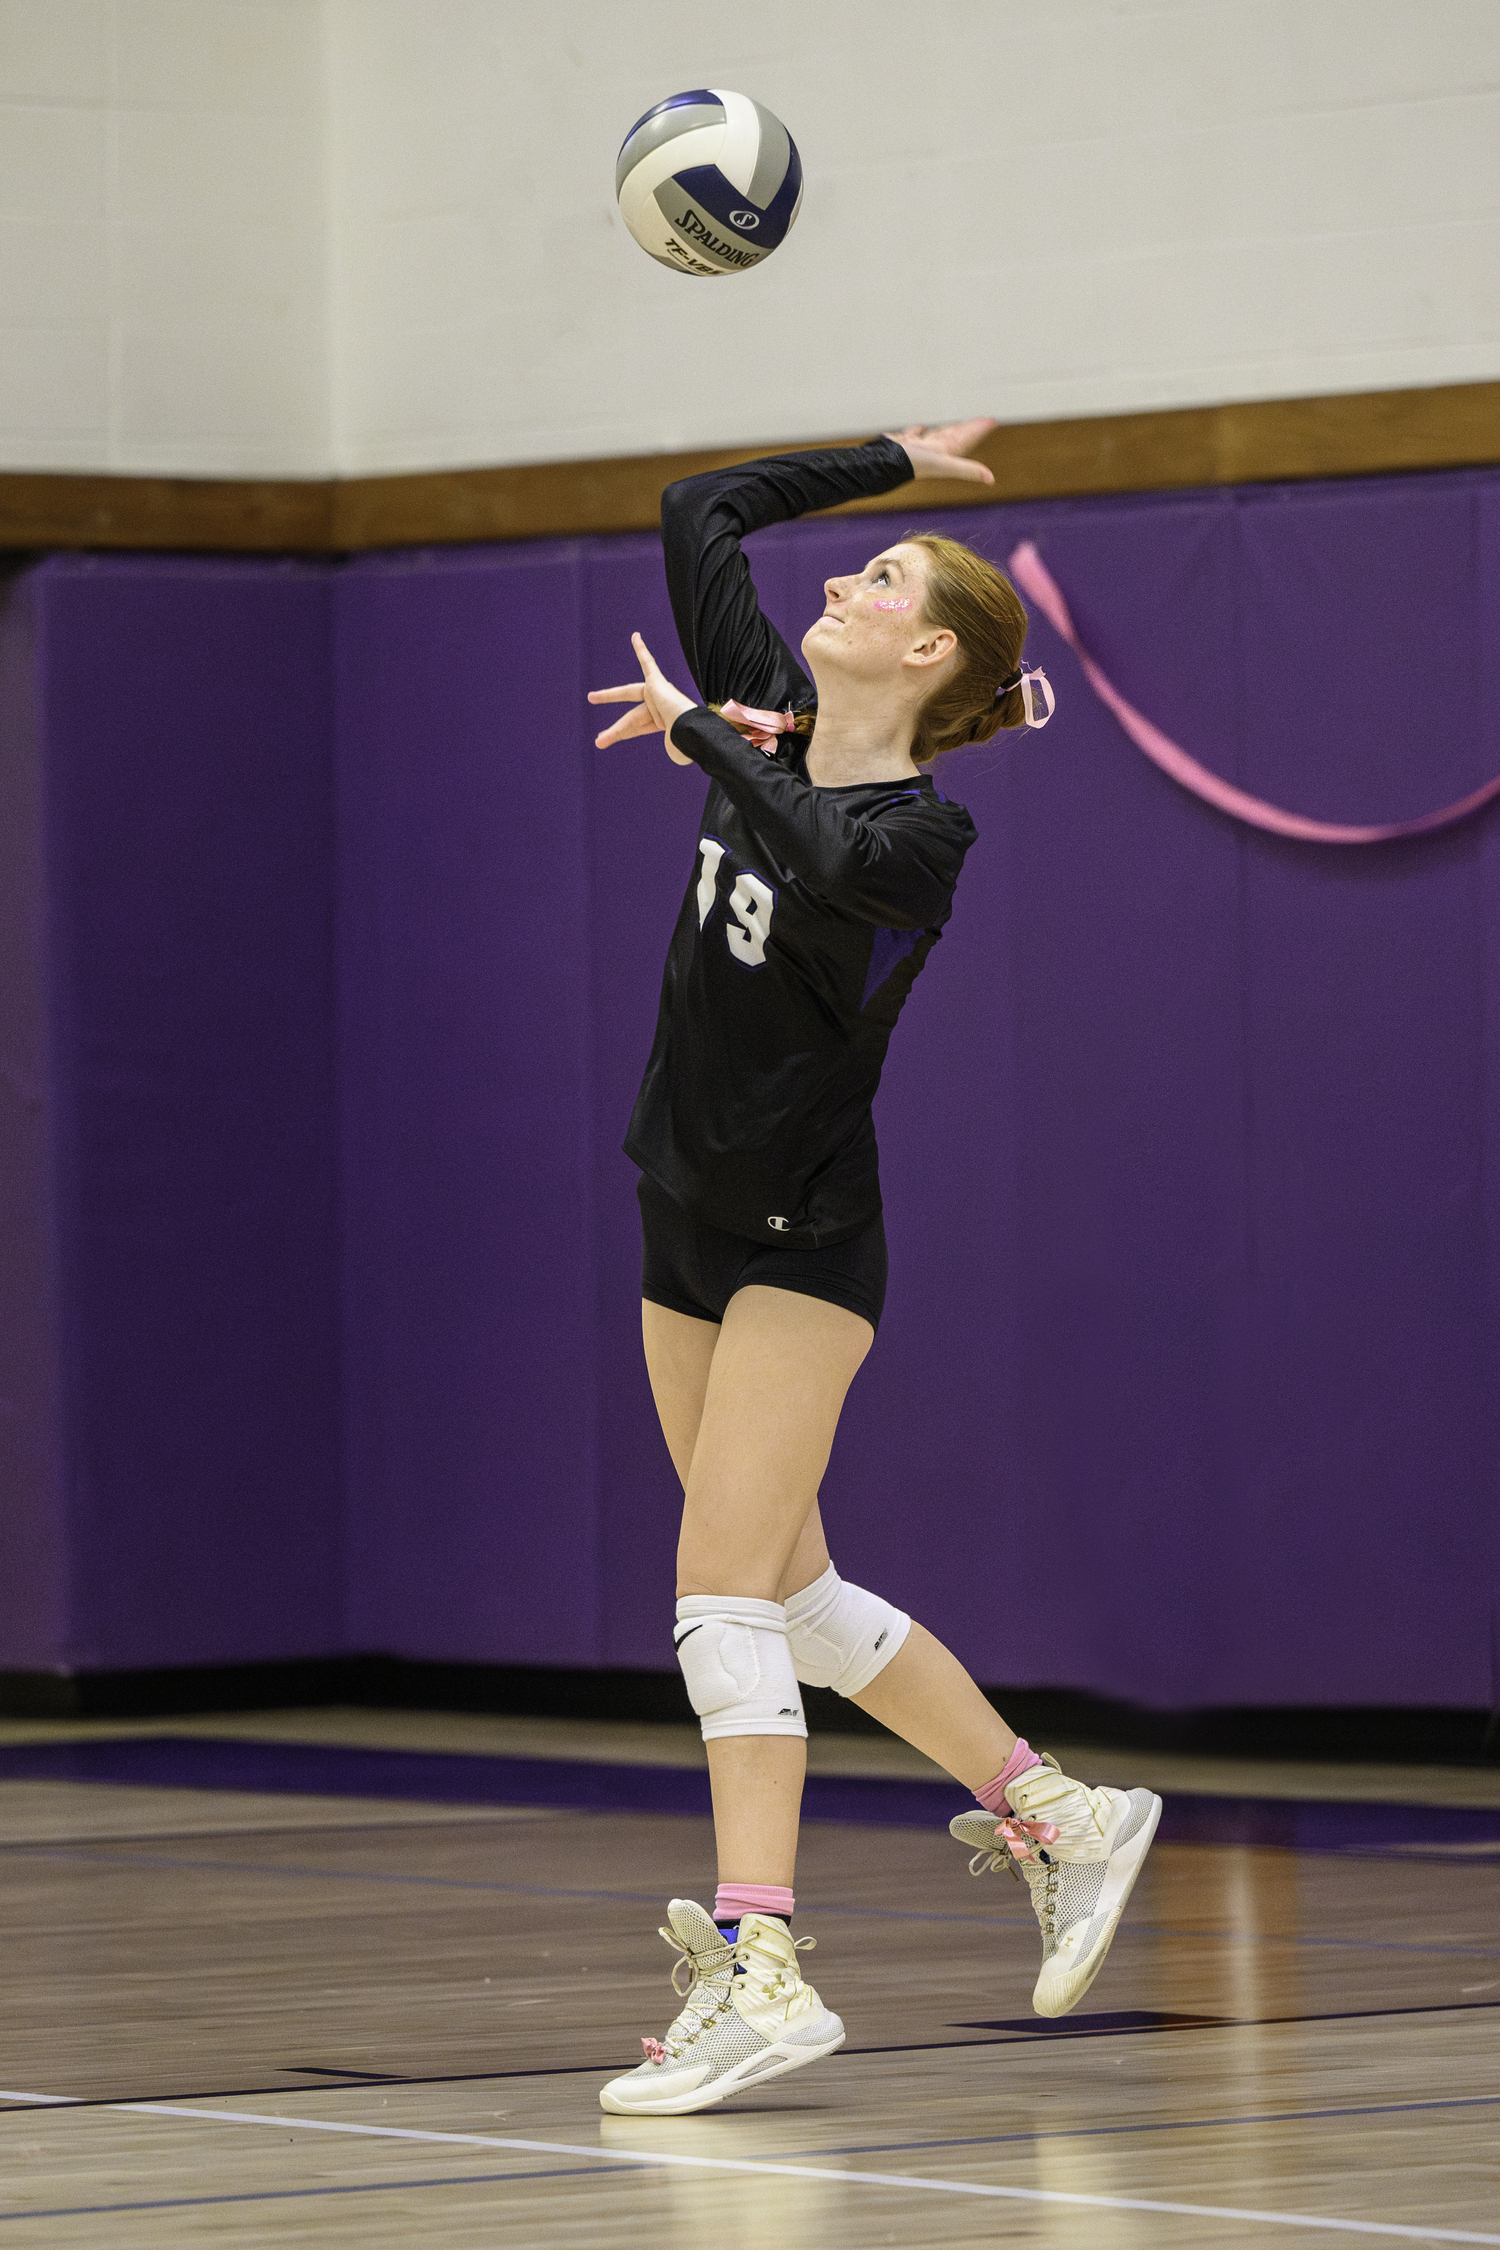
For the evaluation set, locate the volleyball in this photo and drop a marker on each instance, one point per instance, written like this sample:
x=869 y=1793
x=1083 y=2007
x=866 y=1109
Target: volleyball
x=709 y=182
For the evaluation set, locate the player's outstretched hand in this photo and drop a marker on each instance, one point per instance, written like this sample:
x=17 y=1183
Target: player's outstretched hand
x=940 y=453
x=657 y=705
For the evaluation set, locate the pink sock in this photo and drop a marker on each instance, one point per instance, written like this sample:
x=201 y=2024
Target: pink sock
x=1021 y=1760
x=735 y=1899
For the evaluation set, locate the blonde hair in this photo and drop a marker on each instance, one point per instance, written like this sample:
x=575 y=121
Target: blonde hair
x=979 y=604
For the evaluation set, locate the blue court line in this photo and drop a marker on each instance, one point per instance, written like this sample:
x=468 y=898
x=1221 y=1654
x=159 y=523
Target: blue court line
x=297 y=2195
x=1345 y=1944
x=653 y=1899
x=1170 y=2125
x=122 y=1858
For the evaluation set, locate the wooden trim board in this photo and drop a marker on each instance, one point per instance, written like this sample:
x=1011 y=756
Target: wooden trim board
x=226 y=515
x=1254 y=441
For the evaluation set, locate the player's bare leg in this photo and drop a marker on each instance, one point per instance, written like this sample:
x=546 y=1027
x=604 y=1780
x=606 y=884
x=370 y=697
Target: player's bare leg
x=777 y=1382
x=766 y=1396
x=924 y=1694
x=1079 y=1850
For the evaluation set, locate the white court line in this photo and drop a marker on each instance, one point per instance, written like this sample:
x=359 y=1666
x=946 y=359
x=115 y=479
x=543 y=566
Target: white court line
x=752 y=2165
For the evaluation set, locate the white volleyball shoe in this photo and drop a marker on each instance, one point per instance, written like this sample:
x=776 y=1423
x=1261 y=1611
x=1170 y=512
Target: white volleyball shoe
x=747 y=2016
x=1079 y=1880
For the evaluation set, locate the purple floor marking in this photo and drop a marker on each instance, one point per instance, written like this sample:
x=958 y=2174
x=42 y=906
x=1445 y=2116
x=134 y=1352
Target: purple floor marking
x=448 y=1778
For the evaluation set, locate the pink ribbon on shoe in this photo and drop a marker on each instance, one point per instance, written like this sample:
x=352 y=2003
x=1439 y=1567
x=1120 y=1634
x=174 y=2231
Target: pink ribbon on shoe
x=1022 y=1834
x=1033 y=577
x=762 y=727
x=655 y=2051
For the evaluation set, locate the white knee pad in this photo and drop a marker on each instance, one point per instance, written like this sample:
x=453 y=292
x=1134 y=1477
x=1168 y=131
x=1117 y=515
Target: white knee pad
x=840 y=1636
x=737 y=1666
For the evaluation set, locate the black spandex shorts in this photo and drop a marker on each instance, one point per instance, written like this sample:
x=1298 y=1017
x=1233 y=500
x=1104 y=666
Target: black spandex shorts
x=694 y=1268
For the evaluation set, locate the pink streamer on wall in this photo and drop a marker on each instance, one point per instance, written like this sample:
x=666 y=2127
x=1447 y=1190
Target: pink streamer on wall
x=1035 y=580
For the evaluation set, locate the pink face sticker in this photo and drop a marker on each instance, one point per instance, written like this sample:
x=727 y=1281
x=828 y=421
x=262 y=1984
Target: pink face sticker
x=893 y=605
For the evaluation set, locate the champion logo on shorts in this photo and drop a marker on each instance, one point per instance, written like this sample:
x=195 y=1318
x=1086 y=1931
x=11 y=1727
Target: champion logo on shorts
x=782 y=1226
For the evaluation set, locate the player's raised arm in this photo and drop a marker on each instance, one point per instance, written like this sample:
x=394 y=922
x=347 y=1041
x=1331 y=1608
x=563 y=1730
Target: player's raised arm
x=732 y=648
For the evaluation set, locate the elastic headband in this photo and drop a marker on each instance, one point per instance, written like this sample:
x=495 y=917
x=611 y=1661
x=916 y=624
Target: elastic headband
x=1023 y=681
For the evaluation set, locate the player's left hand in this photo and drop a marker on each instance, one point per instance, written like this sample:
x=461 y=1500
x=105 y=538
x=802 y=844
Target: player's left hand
x=658 y=705
x=940 y=452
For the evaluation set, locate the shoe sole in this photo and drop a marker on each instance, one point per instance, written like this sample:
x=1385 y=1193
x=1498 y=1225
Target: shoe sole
x=739 y=2080
x=1125 y=1864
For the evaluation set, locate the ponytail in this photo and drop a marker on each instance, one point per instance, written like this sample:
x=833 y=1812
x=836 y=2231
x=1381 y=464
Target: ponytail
x=984 y=691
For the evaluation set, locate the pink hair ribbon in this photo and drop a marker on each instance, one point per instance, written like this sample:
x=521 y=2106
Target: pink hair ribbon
x=762 y=727
x=1033 y=577
x=1028 y=698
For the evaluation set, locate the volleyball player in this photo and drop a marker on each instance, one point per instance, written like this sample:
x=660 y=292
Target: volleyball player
x=824 y=874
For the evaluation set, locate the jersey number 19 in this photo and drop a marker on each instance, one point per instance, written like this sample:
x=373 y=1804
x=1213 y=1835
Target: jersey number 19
x=751 y=902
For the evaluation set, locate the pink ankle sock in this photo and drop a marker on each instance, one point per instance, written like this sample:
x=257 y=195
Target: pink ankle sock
x=1021 y=1760
x=735 y=1899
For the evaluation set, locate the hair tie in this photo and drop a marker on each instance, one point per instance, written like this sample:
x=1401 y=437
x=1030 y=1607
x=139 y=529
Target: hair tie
x=761 y=727
x=1027 y=682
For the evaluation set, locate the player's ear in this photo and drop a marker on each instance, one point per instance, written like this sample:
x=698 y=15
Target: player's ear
x=933 y=648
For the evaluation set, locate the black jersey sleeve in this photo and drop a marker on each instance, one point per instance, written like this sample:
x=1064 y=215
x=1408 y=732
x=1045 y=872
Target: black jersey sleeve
x=733 y=651
x=897 y=866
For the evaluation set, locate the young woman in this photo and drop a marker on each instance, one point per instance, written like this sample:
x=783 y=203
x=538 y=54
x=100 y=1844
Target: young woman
x=825 y=871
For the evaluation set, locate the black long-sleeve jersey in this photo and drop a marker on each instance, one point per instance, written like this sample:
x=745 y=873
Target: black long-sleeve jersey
x=809 y=911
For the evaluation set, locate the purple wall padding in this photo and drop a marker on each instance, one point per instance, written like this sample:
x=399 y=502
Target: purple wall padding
x=186 y=720
x=468 y=1109
x=1186 y=1389
x=33 y=1576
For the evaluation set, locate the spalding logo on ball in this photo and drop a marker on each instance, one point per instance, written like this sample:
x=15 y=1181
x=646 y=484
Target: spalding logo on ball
x=709 y=182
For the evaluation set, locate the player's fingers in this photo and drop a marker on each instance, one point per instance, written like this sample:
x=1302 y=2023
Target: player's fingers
x=649 y=664
x=959 y=437
x=632 y=693
x=969 y=472
x=638 y=721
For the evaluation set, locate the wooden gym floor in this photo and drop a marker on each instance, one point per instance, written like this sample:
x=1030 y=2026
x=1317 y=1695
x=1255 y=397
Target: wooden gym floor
x=239 y=2011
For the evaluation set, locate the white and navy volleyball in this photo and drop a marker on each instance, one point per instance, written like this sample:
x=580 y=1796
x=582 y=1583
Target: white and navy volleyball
x=709 y=182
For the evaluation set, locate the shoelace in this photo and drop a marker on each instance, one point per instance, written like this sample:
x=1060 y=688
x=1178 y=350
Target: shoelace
x=696 y=2014
x=677 y=2043
x=1020 y=1838
x=1038 y=1865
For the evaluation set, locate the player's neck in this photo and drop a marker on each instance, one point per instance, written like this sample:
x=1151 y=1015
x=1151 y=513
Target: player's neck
x=855 y=740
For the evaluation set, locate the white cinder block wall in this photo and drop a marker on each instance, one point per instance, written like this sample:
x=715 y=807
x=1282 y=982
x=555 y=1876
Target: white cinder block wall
x=163 y=236
x=288 y=236
x=1021 y=207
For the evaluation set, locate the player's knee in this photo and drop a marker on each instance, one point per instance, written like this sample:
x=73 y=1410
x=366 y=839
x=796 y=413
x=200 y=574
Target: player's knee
x=738 y=1666
x=840 y=1636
